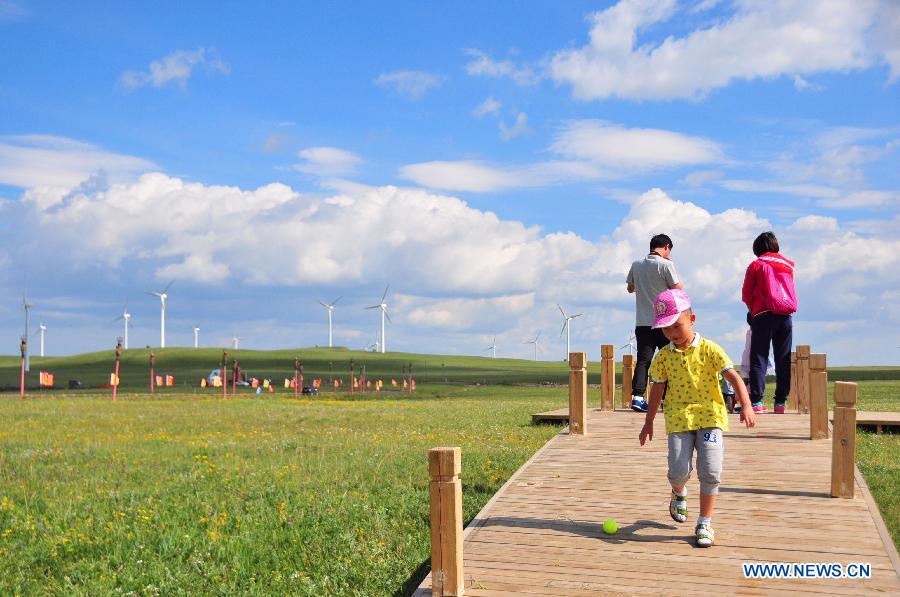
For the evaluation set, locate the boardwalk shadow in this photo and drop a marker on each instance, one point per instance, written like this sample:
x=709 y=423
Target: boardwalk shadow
x=754 y=490
x=593 y=530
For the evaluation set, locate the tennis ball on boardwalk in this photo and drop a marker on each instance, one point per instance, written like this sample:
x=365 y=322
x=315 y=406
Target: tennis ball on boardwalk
x=610 y=527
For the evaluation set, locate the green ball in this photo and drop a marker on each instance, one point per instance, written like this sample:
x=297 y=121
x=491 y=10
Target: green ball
x=610 y=527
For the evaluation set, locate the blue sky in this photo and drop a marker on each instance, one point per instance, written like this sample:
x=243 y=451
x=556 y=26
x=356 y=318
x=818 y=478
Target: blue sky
x=487 y=160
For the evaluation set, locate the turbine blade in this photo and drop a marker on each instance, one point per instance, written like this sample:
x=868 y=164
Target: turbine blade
x=385 y=292
x=374 y=307
x=152 y=293
x=321 y=303
x=169 y=285
x=576 y=315
x=538 y=336
x=388 y=316
x=563 y=328
x=334 y=302
x=561 y=309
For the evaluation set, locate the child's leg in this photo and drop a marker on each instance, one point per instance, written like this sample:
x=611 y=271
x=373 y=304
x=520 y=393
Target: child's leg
x=681 y=450
x=710 y=447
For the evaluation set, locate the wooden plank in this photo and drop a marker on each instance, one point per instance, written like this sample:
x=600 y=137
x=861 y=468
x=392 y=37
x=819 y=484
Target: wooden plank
x=541 y=533
x=818 y=397
x=803 y=378
x=578 y=393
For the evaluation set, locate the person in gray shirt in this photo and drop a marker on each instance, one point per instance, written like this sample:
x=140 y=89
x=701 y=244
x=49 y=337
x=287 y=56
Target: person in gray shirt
x=646 y=279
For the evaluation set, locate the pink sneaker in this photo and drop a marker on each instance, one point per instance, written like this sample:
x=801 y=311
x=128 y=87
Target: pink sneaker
x=779 y=409
x=760 y=408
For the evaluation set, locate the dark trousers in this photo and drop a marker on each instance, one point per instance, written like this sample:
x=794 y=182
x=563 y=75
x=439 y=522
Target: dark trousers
x=648 y=341
x=777 y=330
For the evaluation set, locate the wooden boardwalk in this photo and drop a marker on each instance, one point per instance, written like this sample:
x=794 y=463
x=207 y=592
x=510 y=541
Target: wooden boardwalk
x=541 y=533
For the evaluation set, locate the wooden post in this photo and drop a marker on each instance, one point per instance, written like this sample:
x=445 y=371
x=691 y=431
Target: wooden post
x=351 y=375
x=792 y=404
x=803 y=378
x=607 y=377
x=152 y=372
x=116 y=379
x=627 y=378
x=843 y=447
x=445 y=492
x=24 y=348
x=818 y=397
x=224 y=375
x=578 y=393
x=297 y=375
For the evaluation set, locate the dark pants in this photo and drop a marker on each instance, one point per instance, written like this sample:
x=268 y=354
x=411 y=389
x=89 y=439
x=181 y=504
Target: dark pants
x=648 y=340
x=777 y=330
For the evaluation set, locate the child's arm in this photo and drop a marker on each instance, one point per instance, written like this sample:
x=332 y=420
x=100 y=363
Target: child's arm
x=656 y=396
x=747 y=415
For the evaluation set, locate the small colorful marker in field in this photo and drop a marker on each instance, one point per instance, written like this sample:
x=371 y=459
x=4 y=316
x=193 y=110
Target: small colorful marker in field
x=115 y=379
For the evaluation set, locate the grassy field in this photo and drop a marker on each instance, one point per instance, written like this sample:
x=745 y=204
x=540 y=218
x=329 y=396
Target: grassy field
x=190 y=494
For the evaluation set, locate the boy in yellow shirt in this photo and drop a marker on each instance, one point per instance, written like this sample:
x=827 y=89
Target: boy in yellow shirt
x=688 y=369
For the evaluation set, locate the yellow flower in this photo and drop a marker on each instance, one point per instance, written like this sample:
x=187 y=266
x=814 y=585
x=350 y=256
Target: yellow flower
x=5 y=504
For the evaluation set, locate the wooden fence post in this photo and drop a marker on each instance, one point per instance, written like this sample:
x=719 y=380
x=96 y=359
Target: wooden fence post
x=792 y=404
x=607 y=377
x=843 y=447
x=578 y=393
x=445 y=491
x=803 y=378
x=627 y=378
x=818 y=397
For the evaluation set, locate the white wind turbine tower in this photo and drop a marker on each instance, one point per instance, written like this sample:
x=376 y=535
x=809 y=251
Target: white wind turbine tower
x=162 y=312
x=535 y=342
x=493 y=347
x=235 y=341
x=42 y=328
x=196 y=335
x=126 y=317
x=383 y=306
x=330 y=308
x=26 y=305
x=630 y=345
x=567 y=328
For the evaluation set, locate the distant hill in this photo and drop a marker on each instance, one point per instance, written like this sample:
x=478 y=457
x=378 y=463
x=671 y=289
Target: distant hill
x=189 y=365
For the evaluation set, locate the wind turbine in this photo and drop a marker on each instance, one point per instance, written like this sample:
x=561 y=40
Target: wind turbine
x=162 y=311
x=26 y=305
x=196 y=335
x=535 y=342
x=493 y=347
x=330 y=308
x=42 y=328
x=383 y=306
x=630 y=345
x=566 y=327
x=126 y=317
x=234 y=342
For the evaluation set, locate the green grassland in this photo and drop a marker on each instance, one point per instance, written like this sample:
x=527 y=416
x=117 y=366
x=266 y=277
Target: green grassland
x=186 y=493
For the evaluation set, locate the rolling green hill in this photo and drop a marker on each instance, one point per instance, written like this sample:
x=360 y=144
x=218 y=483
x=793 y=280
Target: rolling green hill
x=189 y=365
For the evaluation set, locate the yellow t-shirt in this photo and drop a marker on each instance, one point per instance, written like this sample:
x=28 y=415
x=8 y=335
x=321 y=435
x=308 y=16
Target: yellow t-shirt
x=693 y=394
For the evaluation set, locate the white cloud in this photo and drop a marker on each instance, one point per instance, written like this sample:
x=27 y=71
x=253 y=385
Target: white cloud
x=701 y=177
x=466 y=175
x=760 y=40
x=633 y=148
x=46 y=161
x=485 y=66
x=409 y=83
x=488 y=106
x=327 y=161
x=801 y=84
x=591 y=149
x=863 y=199
x=463 y=269
x=11 y=10
x=518 y=128
x=176 y=67
x=763 y=186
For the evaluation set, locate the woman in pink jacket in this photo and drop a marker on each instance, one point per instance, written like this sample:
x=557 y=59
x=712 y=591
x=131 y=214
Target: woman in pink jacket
x=771 y=300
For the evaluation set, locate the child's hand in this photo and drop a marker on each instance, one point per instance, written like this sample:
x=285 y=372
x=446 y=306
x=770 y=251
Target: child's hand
x=646 y=432
x=748 y=417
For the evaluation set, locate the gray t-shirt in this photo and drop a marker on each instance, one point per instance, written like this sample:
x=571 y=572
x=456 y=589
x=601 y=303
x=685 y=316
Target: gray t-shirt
x=650 y=276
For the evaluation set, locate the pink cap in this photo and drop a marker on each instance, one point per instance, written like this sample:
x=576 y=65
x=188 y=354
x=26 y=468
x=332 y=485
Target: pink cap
x=669 y=305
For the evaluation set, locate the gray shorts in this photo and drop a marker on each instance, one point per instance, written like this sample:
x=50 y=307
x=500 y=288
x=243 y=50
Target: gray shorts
x=710 y=446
